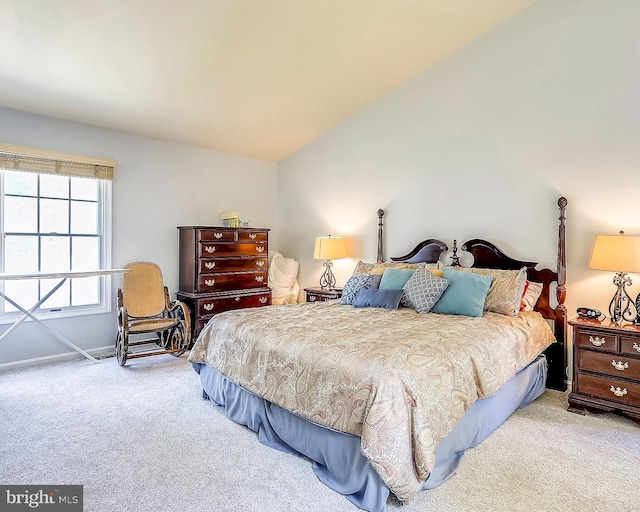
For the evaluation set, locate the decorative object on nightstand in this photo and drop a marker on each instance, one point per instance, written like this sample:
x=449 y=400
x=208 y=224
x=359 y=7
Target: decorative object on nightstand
x=619 y=254
x=329 y=248
x=606 y=368
x=322 y=294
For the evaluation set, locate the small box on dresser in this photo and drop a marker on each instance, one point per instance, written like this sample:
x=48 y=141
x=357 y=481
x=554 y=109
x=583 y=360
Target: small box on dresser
x=222 y=269
x=606 y=368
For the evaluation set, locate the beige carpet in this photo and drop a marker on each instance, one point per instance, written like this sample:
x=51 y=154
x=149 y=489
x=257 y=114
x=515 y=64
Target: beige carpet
x=139 y=438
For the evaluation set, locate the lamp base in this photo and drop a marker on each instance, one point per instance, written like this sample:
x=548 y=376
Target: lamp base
x=620 y=305
x=327 y=279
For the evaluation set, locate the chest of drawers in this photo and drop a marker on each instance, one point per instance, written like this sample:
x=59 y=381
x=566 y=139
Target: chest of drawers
x=606 y=374
x=222 y=269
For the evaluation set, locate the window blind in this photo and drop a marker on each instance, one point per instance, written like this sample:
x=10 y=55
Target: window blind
x=25 y=159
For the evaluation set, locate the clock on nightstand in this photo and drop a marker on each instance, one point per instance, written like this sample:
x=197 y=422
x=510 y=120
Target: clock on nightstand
x=606 y=368
x=322 y=294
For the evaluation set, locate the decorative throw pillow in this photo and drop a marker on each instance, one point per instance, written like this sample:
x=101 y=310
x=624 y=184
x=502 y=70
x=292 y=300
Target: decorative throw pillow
x=531 y=296
x=363 y=268
x=371 y=298
x=395 y=278
x=465 y=294
x=354 y=284
x=422 y=290
x=507 y=287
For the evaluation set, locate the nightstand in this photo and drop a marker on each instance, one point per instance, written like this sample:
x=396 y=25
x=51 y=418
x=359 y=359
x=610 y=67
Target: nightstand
x=606 y=368
x=322 y=294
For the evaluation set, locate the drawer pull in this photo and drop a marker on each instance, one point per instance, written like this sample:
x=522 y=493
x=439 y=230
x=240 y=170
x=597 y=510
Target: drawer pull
x=237 y=299
x=259 y=248
x=210 y=264
x=260 y=263
x=210 y=248
x=263 y=300
x=208 y=307
x=252 y=236
x=618 y=392
x=619 y=365
x=218 y=235
x=597 y=341
x=312 y=298
x=210 y=282
x=636 y=346
x=259 y=278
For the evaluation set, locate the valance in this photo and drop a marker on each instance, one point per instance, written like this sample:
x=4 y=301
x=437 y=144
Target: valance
x=26 y=159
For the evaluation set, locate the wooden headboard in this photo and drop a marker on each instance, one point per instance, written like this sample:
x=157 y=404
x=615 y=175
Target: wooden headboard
x=488 y=255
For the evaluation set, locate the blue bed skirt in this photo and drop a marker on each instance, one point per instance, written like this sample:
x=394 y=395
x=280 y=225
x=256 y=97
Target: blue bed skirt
x=336 y=456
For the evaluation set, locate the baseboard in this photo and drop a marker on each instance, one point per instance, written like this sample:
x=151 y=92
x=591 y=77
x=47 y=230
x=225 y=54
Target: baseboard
x=98 y=353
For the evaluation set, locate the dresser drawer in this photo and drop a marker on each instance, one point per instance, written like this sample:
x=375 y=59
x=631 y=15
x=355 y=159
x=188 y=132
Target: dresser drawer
x=597 y=340
x=630 y=345
x=217 y=235
x=616 y=365
x=210 y=265
x=617 y=390
x=253 y=236
x=231 y=281
x=209 y=306
x=211 y=249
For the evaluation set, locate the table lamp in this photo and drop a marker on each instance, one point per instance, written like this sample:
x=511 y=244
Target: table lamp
x=619 y=254
x=329 y=248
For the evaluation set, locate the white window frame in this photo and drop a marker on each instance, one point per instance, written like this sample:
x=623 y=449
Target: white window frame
x=105 y=292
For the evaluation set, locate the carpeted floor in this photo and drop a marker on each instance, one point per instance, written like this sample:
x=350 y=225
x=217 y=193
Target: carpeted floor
x=140 y=438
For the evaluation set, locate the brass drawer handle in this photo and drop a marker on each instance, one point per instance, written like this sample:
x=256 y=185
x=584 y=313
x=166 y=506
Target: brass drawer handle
x=210 y=282
x=263 y=300
x=208 y=307
x=636 y=346
x=252 y=236
x=218 y=235
x=210 y=264
x=260 y=263
x=237 y=299
x=618 y=392
x=210 y=248
x=312 y=298
x=259 y=278
x=619 y=365
x=597 y=341
x=259 y=248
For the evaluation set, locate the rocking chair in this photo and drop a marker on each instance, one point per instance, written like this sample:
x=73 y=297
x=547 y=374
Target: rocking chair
x=144 y=308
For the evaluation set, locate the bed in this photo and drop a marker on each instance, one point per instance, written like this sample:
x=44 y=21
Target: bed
x=388 y=399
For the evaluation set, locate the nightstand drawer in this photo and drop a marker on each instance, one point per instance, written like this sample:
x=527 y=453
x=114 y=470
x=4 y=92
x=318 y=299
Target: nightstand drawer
x=596 y=340
x=616 y=365
x=618 y=390
x=630 y=345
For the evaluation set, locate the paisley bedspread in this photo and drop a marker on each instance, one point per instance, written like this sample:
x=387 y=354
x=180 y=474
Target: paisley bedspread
x=399 y=380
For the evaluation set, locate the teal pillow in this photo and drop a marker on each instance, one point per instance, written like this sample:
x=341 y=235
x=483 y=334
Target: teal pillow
x=465 y=294
x=395 y=278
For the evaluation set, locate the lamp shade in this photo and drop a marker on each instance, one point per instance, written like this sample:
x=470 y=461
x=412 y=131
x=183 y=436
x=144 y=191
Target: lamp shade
x=329 y=248
x=616 y=253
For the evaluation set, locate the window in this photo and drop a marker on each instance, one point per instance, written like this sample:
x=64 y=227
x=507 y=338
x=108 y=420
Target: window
x=49 y=223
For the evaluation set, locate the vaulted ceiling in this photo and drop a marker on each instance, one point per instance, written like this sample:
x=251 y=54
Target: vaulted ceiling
x=259 y=78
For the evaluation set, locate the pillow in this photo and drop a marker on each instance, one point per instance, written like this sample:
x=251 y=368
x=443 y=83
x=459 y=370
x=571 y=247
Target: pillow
x=354 y=284
x=422 y=291
x=370 y=298
x=435 y=271
x=395 y=278
x=465 y=294
x=507 y=288
x=531 y=296
x=366 y=268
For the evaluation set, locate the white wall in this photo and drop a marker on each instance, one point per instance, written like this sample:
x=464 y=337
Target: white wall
x=157 y=187
x=483 y=145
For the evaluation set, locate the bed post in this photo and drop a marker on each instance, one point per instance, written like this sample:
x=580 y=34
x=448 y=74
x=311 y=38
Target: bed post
x=556 y=355
x=380 y=256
